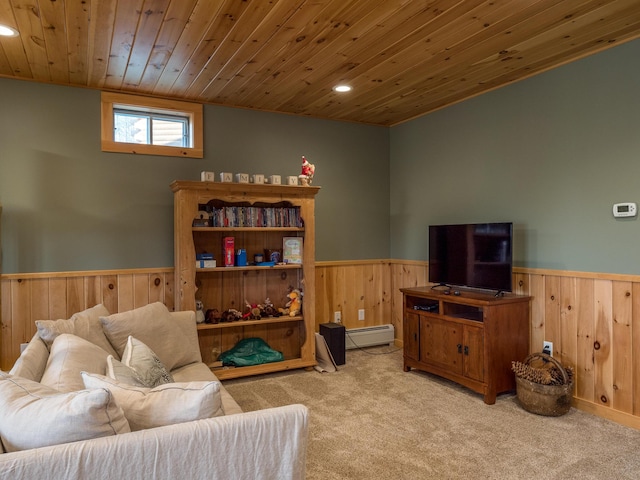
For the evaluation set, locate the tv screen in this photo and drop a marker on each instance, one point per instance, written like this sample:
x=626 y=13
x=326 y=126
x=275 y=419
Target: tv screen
x=477 y=255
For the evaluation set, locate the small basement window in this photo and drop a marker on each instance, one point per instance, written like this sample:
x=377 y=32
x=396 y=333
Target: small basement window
x=151 y=126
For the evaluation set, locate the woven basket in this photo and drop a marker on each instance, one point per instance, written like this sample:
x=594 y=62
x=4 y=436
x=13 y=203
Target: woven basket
x=548 y=400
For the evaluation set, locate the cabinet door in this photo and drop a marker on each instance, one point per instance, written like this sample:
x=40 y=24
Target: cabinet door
x=441 y=343
x=411 y=334
x=473 y=350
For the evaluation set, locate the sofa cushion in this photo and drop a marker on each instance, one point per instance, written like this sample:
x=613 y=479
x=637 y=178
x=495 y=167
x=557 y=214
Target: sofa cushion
x=145 y=363
x=186 y=320
x=32 y=361
x=163 y=405
x=70 y=355
x=33 y=415
x=85 y=324
x=199 y=372
x=155 y=327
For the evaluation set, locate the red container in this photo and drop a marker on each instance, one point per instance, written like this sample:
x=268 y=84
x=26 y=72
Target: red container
x=228 y=247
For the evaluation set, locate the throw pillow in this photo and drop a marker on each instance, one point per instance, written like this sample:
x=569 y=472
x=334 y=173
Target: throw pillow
x=33 y=360
x=164 y=405
x=186 y=320
x=70 y=355
x=146 y=363
x=119 y=371
x=154 y=326
x=85 y=324
x=33 y=415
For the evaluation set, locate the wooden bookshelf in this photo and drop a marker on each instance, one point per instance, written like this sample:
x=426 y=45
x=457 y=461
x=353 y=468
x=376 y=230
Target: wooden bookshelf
x=232 y=287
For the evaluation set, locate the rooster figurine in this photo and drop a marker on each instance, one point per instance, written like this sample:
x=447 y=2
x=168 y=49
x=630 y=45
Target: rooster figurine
x=308 y=169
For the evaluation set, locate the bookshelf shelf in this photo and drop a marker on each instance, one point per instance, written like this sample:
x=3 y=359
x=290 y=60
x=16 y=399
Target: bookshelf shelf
x=248 y=229
x=246 y=323
x=289 y=266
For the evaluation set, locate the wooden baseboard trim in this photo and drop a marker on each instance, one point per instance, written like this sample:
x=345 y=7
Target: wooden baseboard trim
x=622 y=418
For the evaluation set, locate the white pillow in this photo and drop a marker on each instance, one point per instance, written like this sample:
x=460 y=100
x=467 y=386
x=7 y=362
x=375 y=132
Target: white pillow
x=164 y=405
x=69 y=356
x=33 y=415
x=146 y=364
x=154 y=326
x=119 y=371
x=85 y=324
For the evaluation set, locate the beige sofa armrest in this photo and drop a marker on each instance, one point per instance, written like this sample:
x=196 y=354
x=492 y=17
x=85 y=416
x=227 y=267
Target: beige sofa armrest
x=264 y=444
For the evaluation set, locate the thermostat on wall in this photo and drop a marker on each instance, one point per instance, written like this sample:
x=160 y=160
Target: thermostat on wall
x=627 y=209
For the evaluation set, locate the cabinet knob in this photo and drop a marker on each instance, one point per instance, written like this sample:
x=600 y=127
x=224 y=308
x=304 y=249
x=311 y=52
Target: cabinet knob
x=466 y=350
x=459 y=348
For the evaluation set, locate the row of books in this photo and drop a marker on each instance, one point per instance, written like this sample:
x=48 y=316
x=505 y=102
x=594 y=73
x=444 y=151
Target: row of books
x=240 y=216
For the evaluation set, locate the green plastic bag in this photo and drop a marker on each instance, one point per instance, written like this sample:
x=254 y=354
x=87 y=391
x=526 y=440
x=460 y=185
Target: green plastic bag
x=250 y=351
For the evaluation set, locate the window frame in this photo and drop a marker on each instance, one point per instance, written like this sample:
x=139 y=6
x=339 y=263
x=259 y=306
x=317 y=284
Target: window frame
x=193 y=111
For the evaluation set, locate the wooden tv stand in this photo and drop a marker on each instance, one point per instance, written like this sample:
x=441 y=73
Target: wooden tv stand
x=470 y=338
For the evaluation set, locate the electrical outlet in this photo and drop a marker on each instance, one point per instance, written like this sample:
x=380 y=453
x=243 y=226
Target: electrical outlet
x=337 y=317
x=361 y=314
x=547 y=347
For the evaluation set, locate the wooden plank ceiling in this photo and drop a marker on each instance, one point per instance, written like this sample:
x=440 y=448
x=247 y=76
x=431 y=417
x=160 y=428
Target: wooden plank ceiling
x=403 y=58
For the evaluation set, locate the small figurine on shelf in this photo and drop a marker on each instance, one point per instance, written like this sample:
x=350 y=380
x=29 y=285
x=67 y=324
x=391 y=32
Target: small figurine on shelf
x=268 y=310
x=231 y=315
x=212 y=316
x=308 y=169
x=294 y=306
x=253 y=311
x=199 y=311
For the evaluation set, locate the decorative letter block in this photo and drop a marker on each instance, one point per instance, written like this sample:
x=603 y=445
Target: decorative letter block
x=207 y=176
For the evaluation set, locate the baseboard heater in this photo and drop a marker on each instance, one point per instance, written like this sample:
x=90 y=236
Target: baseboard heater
x=369 y=336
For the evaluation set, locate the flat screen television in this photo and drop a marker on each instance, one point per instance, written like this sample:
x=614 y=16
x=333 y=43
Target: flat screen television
x=475 y=255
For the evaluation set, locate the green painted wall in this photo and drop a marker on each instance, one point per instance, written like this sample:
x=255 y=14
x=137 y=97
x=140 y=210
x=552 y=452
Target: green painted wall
x=68 y=206
x=552 y=153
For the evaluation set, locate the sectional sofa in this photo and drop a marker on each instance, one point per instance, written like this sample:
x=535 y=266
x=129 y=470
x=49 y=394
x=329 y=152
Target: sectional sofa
x=127 y=396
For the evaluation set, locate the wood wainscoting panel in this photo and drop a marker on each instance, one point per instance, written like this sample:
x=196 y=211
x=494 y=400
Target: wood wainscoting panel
x=602 y=350
x=583 y=363
x=593 y=319
x=50 y=296
x=347 y=287
x=372 y=285
x=635 y=346
x=621 y=337
x=405 y=274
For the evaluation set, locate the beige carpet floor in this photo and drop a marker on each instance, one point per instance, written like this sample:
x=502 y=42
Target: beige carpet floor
x=370 y=420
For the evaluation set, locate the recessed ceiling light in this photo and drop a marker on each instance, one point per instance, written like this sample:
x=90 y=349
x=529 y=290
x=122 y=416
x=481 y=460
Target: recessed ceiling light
x=6 y=31
x=342 y=88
